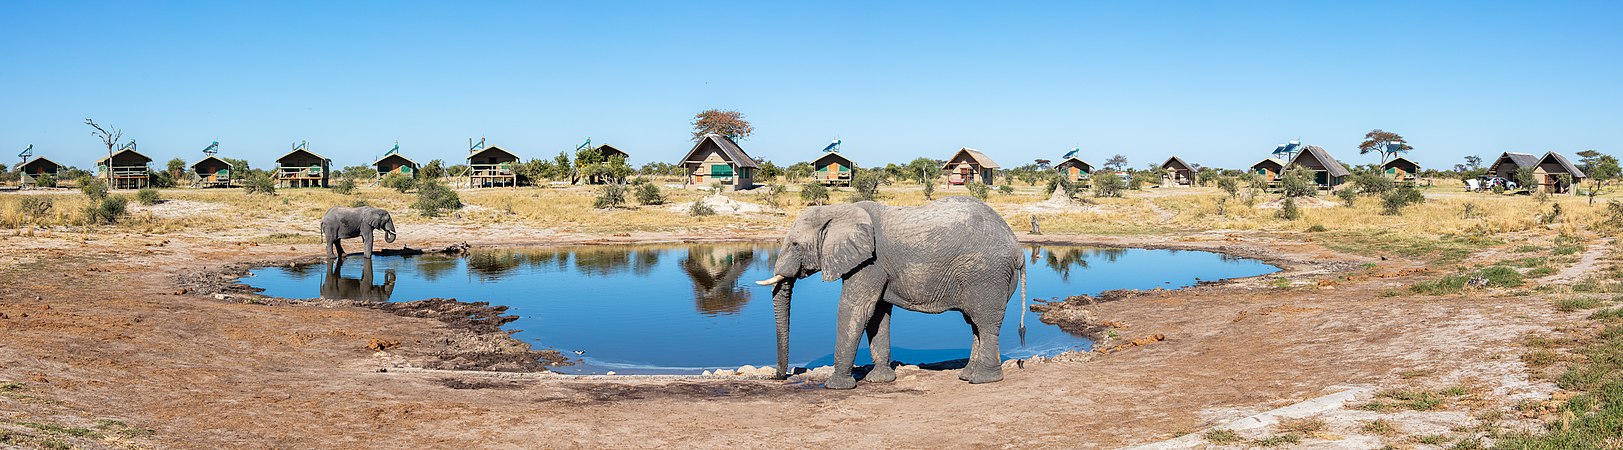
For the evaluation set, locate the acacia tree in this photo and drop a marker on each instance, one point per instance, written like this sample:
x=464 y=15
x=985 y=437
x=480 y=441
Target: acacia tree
x=1602 y=169
x=1387 y=143
x=1116 y=162
x=725 y=123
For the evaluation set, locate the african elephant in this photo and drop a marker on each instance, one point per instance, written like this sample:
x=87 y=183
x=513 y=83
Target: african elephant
x=952 y=254
x=343 y=223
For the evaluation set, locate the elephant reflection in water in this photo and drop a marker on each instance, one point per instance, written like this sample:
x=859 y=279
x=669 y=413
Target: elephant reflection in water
x=335 y=286
x=715 y=272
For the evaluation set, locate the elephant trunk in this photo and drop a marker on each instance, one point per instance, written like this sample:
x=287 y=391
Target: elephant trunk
x=781 y=292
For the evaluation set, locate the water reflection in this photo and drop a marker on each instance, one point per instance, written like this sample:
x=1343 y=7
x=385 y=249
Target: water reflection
x=1063 y=259
x=335 y=286
x=715 y=272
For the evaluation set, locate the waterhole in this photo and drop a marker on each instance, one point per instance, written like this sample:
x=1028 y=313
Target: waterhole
x=682 y=309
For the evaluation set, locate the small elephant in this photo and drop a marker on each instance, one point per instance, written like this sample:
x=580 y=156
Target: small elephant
x=952 y=254
x=343 y=223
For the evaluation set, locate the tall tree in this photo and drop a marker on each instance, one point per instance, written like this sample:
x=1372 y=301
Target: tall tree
x=1387 y=143
x=1473 y=162
x=1602 y=170
x=1116 y=162
x=725 y=123
x=108 y=138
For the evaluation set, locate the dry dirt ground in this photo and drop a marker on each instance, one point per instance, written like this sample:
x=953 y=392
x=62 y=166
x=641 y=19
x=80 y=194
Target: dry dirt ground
x=98 y=334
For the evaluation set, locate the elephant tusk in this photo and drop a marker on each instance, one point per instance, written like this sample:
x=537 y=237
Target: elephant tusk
x=770 y=281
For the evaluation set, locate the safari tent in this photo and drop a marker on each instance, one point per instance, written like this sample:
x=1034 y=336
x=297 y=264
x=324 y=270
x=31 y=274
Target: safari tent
x=396 y=163
x=1074 y=169
x=834 y=169
x=1509 y=163
x=969 y=165
x=1269 y=169
x=129 y=169
x=1178 y=172
x=213 y=172
x=717 y=159
x=1555 y=175
x=1401 y=170
x=1327 y=172
x=302 y=168
x=610 y=151
x=492 y=167
x=35 y=167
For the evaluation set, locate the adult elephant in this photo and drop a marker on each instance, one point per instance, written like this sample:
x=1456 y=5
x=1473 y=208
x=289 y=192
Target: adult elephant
x=343 y=223
x=952 y=254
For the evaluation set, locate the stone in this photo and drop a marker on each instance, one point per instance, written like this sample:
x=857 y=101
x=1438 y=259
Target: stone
x=221 y=296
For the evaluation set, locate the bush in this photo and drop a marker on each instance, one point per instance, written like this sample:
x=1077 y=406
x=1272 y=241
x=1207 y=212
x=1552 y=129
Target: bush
x=108 y=210
x=399 y=181
x=701 y=209
x=1230 y=185
x=148 y=196
x=259 y=183
x=610 y=196
x=161 y=179
x=94 y=188
x=1288 y=210
x=865 y=186
x=1373 y=182
x=770 y=194
x=1108 y=185
x=44 y=180
x=814 y=193
x=1347 y=196
x=1392 y=202
x=36 y=206
x=649 y=194
x=1005 y=189
x=1298 y=182
x=434 y=198
x=1140 y=178
x=979 y=191
x=345 y=186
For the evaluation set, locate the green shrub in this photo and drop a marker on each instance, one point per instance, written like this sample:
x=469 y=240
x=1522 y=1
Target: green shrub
x=1288 y=209
x=344 y=186
x=770 y=195
x=259 y=183
x=1108 y=185
x=649 y=194
x=1347 y=196
x=94 y=188
x=399 y=181
x=1139 y=179
x=979 y=191
x=108 y=210
x=1501 y=276
x=35 y=206
x=701 y=209
x=46 y=180
x=1571 y=304
x=865 y=186
x=359 y=202
x=814 y=193
x=1316 y=228
x=610 y=196
x=1005 y=189
x=1393 y=201
x=1230 y=185
x=434 y=198
x=147 y=196
x=1298 y=182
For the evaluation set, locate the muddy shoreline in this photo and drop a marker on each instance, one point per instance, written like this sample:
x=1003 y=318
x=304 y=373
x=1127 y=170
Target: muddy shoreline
x=473 y=339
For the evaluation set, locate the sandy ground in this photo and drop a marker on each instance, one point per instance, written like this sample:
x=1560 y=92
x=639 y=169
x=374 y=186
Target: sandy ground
x=98 y=328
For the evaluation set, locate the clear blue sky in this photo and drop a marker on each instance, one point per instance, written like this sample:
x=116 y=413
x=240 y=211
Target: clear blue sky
x=1219 y=83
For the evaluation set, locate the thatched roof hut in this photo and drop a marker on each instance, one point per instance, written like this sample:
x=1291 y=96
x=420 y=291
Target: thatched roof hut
x=718 y=159
x=1179 y=172
x=969 y=165
x=1556 y=175
x=1327 y=172
x=1509 y=163
x=610 y=151
x=833 y=169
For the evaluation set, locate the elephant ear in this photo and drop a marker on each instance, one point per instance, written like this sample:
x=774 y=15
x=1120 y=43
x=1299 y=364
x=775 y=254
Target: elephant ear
x=848 y=241
x=379 y=216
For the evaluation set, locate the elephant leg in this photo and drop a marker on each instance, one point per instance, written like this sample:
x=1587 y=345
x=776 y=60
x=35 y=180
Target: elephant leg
x=879 y=345
x=366 y=239
x=857 y=303
x=327 y=247
x=338 y=246
x=985 y=361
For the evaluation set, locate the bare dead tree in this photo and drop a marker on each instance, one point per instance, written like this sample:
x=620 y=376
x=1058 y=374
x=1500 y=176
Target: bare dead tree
x=108 y=138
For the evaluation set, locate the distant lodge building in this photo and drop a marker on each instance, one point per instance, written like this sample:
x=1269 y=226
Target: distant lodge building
x=1178 y=172
x=128 y=169
x=833 y=169
x=213 y=172
x=1269 y=170
x=1327 y=172
x=35 y=168
x=1509 y=163
x=717 y=159
x=395 y=163
x=1555 y=175
x=1074 y=169
x=969 y=165
x=302 y=168
x=1401 y=170
x=609 y=152
x=492 y=167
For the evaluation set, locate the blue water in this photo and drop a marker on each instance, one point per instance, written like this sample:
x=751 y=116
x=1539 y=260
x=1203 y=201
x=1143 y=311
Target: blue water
x=687 y=308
